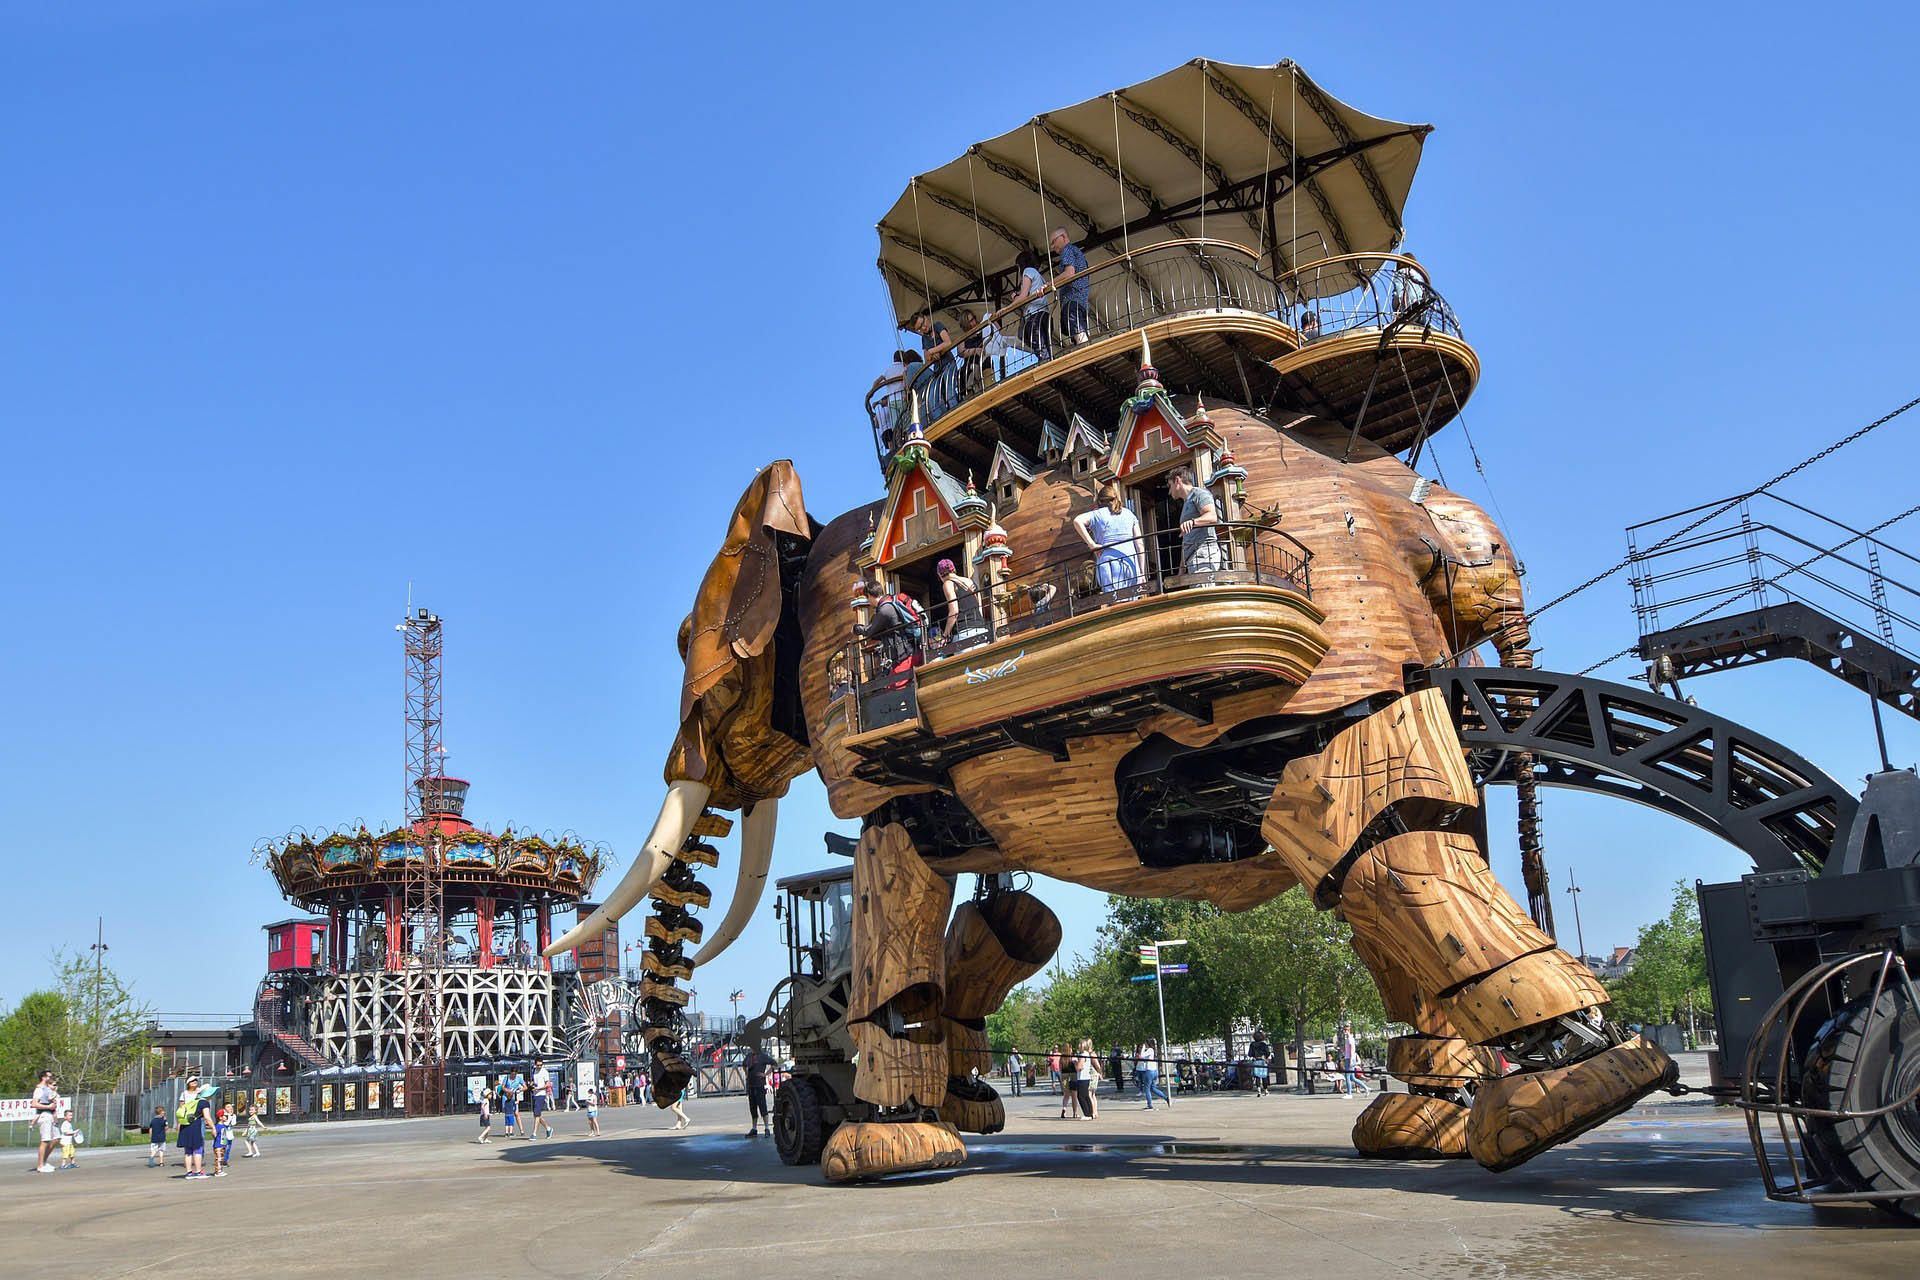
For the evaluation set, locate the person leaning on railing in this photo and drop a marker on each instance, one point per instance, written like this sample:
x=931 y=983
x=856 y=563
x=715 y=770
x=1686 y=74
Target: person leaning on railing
x=934 y=380
x=1112 y=533
x=1032 y=301
x=1071 y=281
x=1199 y=550
x=893 y=380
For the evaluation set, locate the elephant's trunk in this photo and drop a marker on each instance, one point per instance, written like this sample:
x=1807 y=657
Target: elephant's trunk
x=678 y=812
x=756 y=856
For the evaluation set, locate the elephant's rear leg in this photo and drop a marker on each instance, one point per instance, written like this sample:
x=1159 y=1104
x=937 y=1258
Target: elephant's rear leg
x=1367 y=824
x=994 y=944
x=896 y=1014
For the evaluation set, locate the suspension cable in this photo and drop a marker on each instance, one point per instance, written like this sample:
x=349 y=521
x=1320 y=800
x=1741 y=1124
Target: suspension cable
x=1202 y=162
x=1040 y=183
x=926 y=289
x=979 y=246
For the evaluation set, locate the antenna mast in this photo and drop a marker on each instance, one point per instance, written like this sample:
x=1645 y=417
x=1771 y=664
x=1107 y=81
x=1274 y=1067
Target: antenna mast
x=423 y=887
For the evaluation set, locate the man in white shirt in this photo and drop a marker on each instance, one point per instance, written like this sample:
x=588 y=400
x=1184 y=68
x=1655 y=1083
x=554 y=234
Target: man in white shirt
x=542 y=1099
x=46 y=1105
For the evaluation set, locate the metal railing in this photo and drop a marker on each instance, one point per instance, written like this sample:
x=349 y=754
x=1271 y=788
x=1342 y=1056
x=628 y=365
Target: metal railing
x=1363 y=291
x=1115 y=296
x=1765 y=549
x=877 y=673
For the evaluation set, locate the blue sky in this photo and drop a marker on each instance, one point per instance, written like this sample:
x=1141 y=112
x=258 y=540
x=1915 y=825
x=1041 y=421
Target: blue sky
x=305 y=303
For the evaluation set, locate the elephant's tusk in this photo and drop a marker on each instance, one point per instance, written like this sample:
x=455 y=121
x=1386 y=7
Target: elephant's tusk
x=756 y=856
x=678 y=812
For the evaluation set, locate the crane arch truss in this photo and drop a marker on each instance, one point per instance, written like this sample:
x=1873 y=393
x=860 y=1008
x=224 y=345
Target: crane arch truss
x=1773 y=804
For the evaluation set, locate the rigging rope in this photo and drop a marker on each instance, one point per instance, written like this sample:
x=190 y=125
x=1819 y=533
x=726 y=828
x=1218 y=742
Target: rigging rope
x=1120 y=175
x=979 y=247
x=1202 y=162
x=1266 y=170
x=1040 y=184
x=913 y=185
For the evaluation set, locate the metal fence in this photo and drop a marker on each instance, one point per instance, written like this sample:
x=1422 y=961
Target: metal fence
x=102 y=1117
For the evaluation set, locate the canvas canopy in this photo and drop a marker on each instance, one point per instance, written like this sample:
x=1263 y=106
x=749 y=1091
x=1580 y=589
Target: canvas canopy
x=1260 y=156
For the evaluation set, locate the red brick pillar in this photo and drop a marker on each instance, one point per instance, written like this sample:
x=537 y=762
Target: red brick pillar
x=483 y=930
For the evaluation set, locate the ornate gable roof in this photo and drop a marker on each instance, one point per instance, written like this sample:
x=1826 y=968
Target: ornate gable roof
x=1053 y=441
x=1084 y=436
x=1008 y=465
x=1151 y=431
x=919 y=511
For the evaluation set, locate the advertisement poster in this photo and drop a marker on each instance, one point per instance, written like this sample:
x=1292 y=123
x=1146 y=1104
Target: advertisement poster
x=260 y=1101
x=399 y=1095
x=476 y=1085
x=373 y=1095
x=326 y=1098
x=283 y=1100
x=584 y=1076
x=347 y=1098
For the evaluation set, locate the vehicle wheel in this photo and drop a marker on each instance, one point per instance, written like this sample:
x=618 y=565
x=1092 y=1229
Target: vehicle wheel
x=799 y=1130
x=1876 y=1047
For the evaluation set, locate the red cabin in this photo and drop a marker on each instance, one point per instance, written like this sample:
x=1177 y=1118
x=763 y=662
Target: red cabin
x=296 y=944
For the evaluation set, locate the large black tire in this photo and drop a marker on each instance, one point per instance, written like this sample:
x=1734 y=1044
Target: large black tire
x=799 y=1128
x=1883 y=1060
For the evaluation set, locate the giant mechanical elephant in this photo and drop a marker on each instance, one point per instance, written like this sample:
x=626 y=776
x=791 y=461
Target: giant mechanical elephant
x=1357 y=789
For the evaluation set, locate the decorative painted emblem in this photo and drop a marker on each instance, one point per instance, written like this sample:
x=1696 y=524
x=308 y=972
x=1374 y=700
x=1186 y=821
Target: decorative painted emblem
x=998 y=669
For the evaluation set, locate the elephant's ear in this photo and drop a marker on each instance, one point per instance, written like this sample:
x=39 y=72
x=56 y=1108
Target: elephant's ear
x=738 y=607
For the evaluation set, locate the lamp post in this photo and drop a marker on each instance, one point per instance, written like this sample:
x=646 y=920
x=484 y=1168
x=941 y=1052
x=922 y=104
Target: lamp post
x=1160 y=993
x=99 y=949
x=1573 y=891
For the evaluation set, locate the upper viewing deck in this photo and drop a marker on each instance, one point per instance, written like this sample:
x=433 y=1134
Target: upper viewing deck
x=1238 y=217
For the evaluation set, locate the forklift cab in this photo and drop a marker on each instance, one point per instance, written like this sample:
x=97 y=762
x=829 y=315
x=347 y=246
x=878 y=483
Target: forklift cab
x=816 y=910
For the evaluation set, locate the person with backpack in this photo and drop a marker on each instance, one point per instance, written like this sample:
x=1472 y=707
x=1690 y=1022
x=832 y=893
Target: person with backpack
x=897 y=628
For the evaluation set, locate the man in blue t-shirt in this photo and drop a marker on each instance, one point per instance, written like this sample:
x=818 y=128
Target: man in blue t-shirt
x=1071 y=283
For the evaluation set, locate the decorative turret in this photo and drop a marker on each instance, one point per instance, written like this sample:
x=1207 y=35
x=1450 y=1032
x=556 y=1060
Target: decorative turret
x=1149 y=384
x=971 y=508
x=994 y=548
x=914 y=451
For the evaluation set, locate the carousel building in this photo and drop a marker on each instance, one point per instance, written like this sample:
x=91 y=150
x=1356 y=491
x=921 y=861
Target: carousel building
x=337 y=989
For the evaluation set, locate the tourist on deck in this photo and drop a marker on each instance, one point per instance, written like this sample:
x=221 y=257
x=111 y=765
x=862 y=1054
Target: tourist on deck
x=976 y=366
x=1112 y=533
x=1071 y=283
x=1409 y=286
x=890 y=409
x=935 y=379
x=890 y=628
x=1309 y=326
x=964 y=627
x=1032 y=301
x=1199 y=550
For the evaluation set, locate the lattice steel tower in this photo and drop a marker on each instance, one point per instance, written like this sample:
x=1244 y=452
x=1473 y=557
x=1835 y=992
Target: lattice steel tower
x=423 y=889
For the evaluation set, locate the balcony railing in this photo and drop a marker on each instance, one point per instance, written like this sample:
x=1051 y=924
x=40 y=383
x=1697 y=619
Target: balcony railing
x=1363 y=291
x=879 y=676
x=1123 y=293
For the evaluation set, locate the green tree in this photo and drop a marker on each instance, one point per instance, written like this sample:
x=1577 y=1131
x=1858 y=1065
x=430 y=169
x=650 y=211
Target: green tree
x=32 y=1038
x=105 y=1030
x=1668 y=981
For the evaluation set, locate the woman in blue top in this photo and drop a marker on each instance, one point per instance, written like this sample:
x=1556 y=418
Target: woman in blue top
x=194 y=1116
x=1112 y=533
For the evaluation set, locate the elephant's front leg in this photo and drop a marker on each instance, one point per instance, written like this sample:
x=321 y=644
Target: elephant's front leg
x=896 y=1014
x=1369 y=825
x=994 y=944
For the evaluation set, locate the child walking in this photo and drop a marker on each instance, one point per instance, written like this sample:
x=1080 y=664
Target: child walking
x=252 y=1133
x=222 y=1142
x=593 y=1110
x=69 y=1138
x=486 y=1116
x=157 y=1138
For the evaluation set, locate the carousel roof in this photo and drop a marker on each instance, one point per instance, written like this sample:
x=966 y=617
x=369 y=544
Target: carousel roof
x=1262 y=155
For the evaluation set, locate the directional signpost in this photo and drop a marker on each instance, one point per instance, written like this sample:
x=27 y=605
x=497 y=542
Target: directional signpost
x=1150 y=954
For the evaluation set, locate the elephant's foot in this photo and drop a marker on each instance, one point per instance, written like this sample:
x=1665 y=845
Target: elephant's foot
x=1517 y=1117
x=874 y=1148
x=1411 y=1126
x=973 y=1106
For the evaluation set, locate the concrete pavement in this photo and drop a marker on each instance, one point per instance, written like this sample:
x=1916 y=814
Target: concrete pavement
x=1217 y=1186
